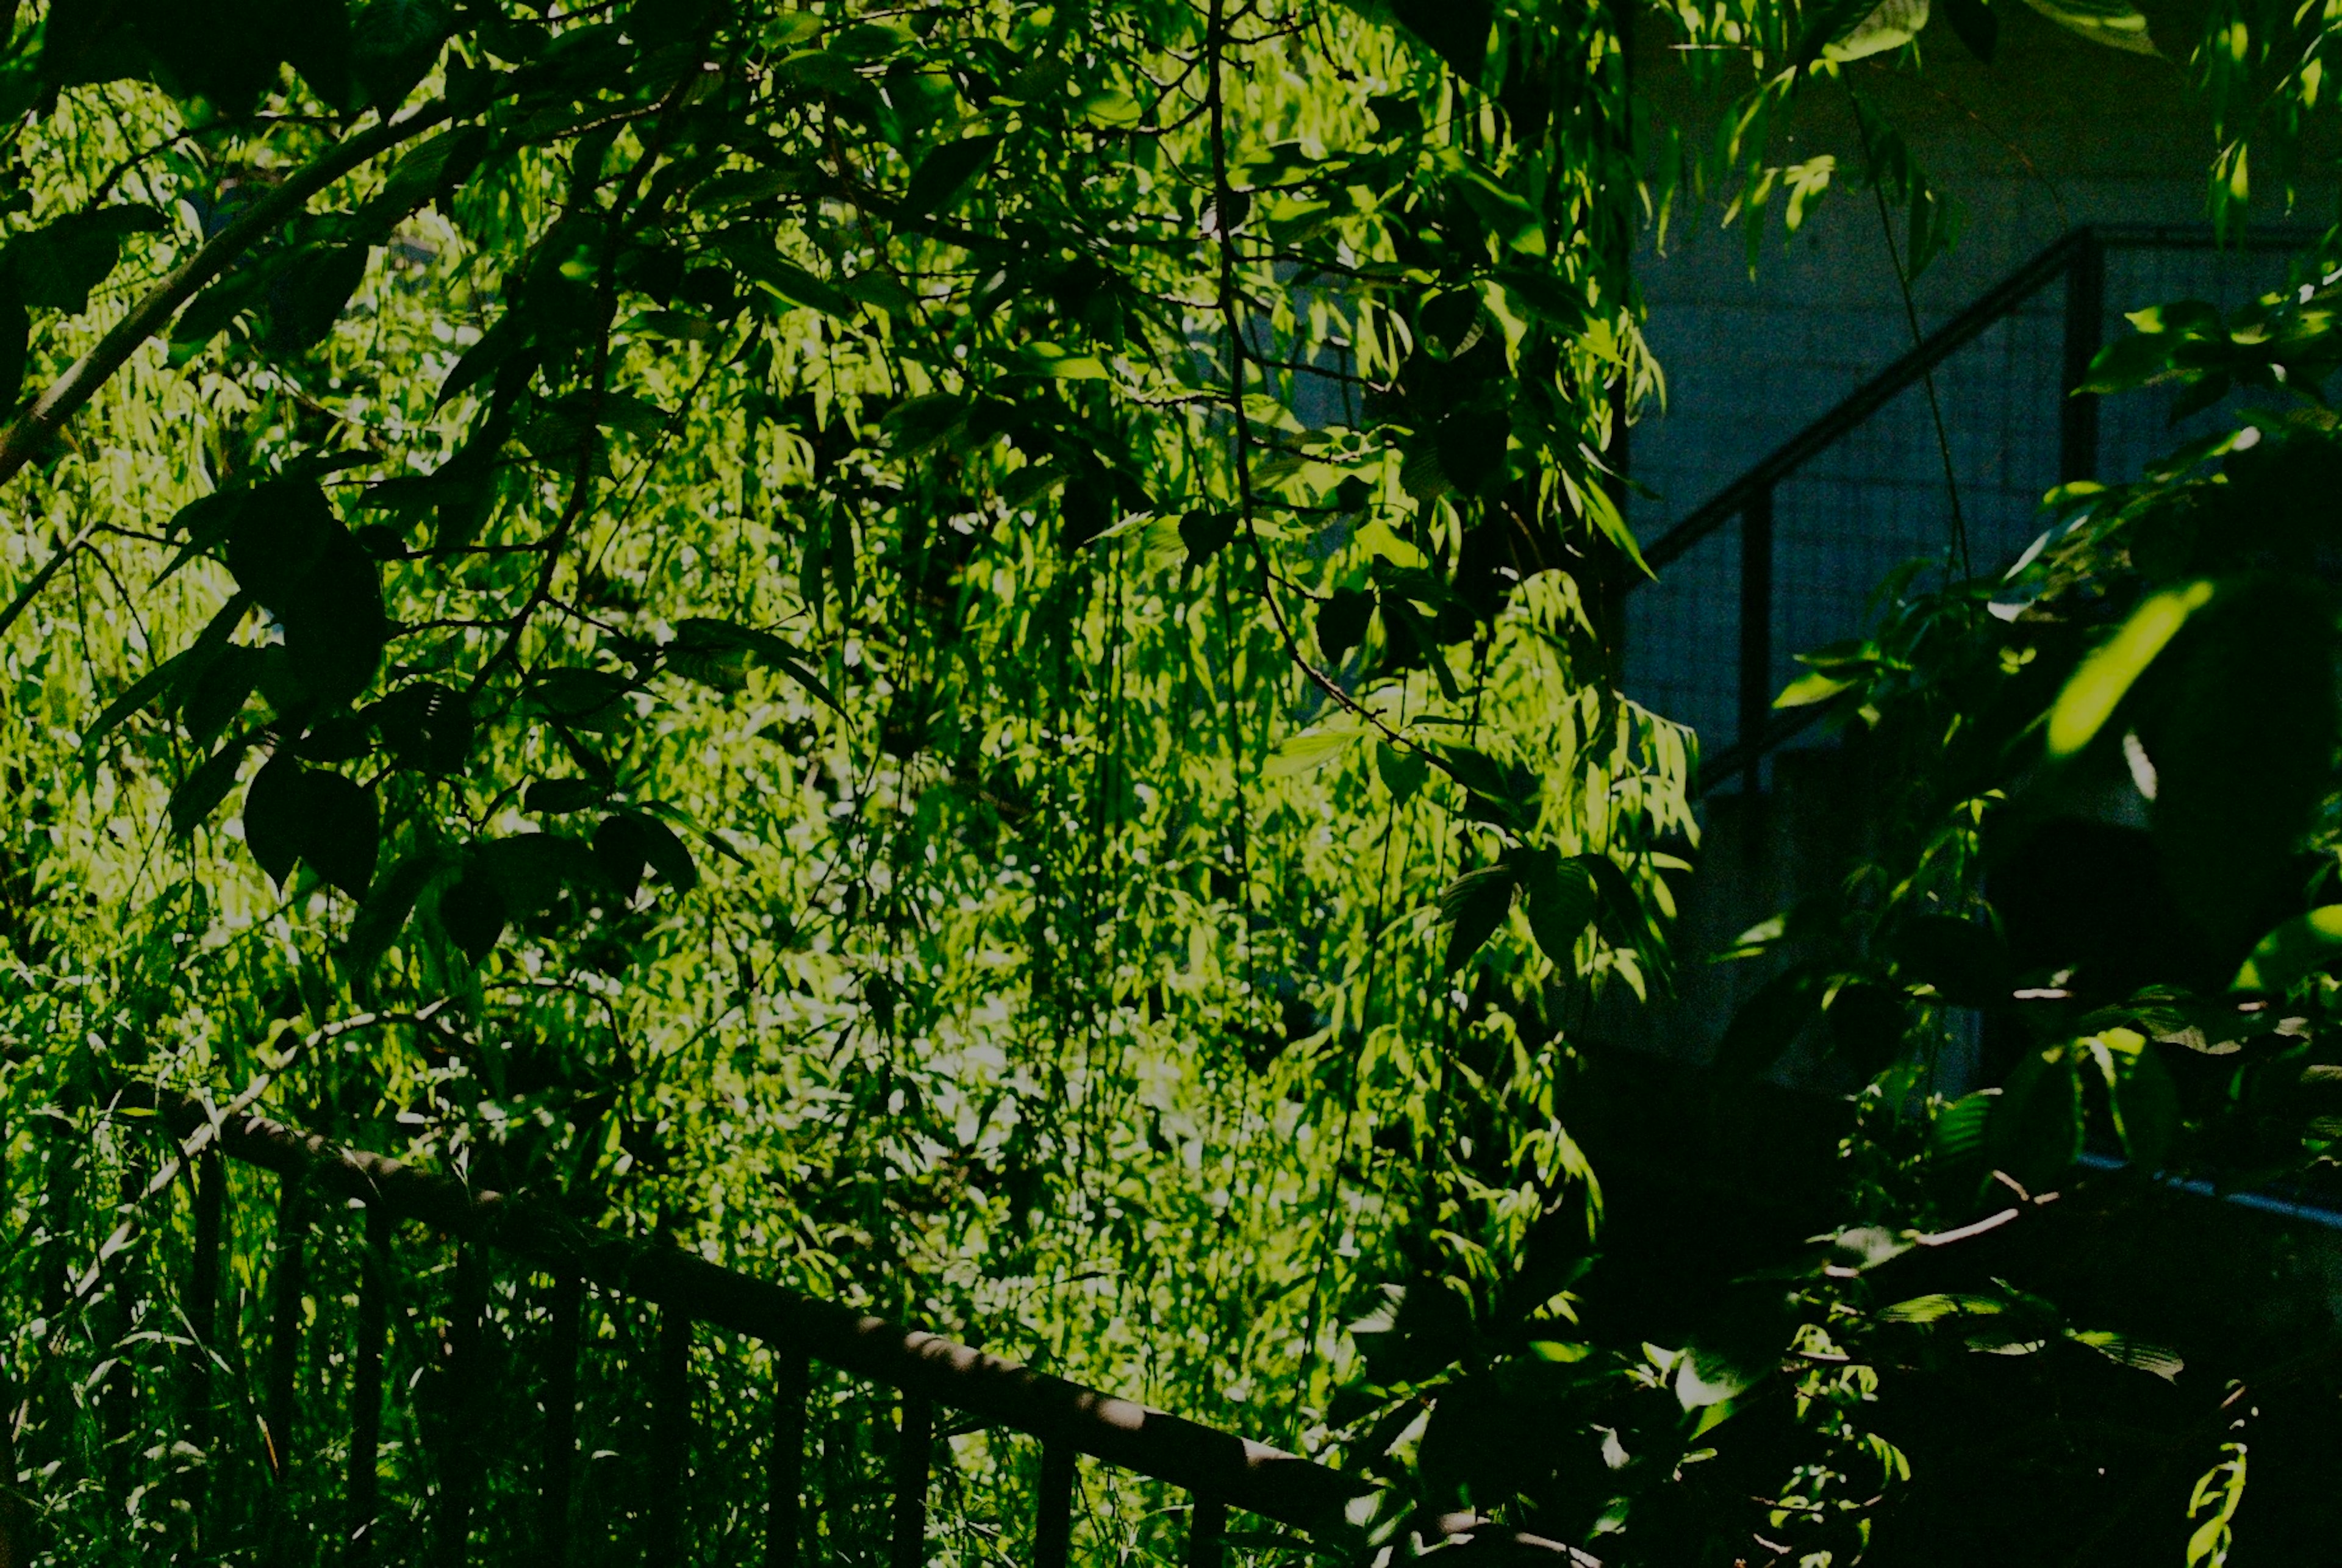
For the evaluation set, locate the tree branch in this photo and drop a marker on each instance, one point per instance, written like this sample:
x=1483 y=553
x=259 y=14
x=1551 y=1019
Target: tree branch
x=30 y=435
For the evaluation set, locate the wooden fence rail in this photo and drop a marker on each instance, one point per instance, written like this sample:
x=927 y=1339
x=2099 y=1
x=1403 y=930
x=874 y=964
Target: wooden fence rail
x=1219 y=1470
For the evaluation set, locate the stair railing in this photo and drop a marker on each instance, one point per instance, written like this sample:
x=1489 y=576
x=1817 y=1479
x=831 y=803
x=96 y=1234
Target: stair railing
x=2078 y=260
x=1219 y=1470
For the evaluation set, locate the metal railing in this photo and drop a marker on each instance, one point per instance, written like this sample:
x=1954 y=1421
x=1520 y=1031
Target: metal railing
x=1220 y=1471
x=2079 y=261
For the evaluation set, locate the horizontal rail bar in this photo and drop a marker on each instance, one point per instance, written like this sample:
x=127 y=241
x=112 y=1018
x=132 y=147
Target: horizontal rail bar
x=2000 y=300
x=1250 y=1475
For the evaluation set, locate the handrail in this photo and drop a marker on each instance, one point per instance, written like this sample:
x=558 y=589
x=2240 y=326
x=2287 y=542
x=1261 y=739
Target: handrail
x=1220 y=1469
x=2078 y=255
x=1905 y=373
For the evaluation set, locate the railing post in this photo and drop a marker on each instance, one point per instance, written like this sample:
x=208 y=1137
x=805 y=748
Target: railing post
x=1756 y=632
x=670 y=1433
x=366 y=1389
x=2085 y=307
x=1206 y=1531
x=459 y=1453
x=202 y=1321
x=565 y=1305
x=913 y=1455
x=285 y=1327
x=1052 y=1522
x=785 y=1461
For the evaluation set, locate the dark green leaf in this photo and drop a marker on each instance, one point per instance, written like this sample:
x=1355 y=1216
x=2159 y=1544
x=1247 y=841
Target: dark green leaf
x=2035 y=1133
x=202 y=791
x=1867 y=1024
x=942 y=173
x=311 y=293
x=621 y=848
x=554 y=796
x=276 y=815
x=2243 y=750
x=216 y=693
x=1341 y=619
x=1472 y=908
x=1562 y=899
x=56 y=266
x=1456 y=30
x=385 y=912
x=667 y=855
x=472 y=913
x=1769 y=1023
x=1402 y=771
x=1206 y=534
x=342 y=836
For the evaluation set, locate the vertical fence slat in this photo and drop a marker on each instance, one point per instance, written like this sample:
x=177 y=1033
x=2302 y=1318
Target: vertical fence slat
x=284 y=1326
x=670 y=1433
x=565 y=1304
x=1755 y=632
x=202 y=1319
x=460 y=1455
x=1206 y=1531
x=785 y=1460
x=1053 y=1522
x=2086 y=310
x=364 y=1486
x=913 y=1454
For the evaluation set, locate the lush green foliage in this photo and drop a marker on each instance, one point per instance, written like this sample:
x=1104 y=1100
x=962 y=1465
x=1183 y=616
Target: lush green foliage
x=959 y=655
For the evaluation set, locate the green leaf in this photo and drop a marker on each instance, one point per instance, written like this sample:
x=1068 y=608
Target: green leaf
x=942 y=171
x=200 y=793
x=2305 y=945
x=1562 y=899
x=1866 y=1025
x=2156 y=1360
x=56 y=266
x=704 y=635
x=1889 y=25
x=621 y=851
x=668 y=854
x=2098 y=685
x=1308 y=752
x=342 y=836
x=1205 y=534
x=555 y=796
x=1402 y=771
x=1813 y=686
x=1112 y=110
x=1768 y=1022
x=2242 y=745
x=1342 y=619
x=1958 y=1137
x=1472 y=908
x=384 y=913
x=1457 y=31
x=2035 y=1133
x=472 y=912
x=2116 y=24
x=273 y=812
x=310 y=295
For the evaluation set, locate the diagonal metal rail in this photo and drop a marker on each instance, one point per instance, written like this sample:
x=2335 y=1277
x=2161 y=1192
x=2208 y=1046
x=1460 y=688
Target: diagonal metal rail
x=1219 y=1470
x=2077 y=260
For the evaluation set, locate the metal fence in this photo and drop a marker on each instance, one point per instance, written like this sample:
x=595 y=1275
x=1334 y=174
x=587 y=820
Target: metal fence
x=1787 y=557
x=582 y=1270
